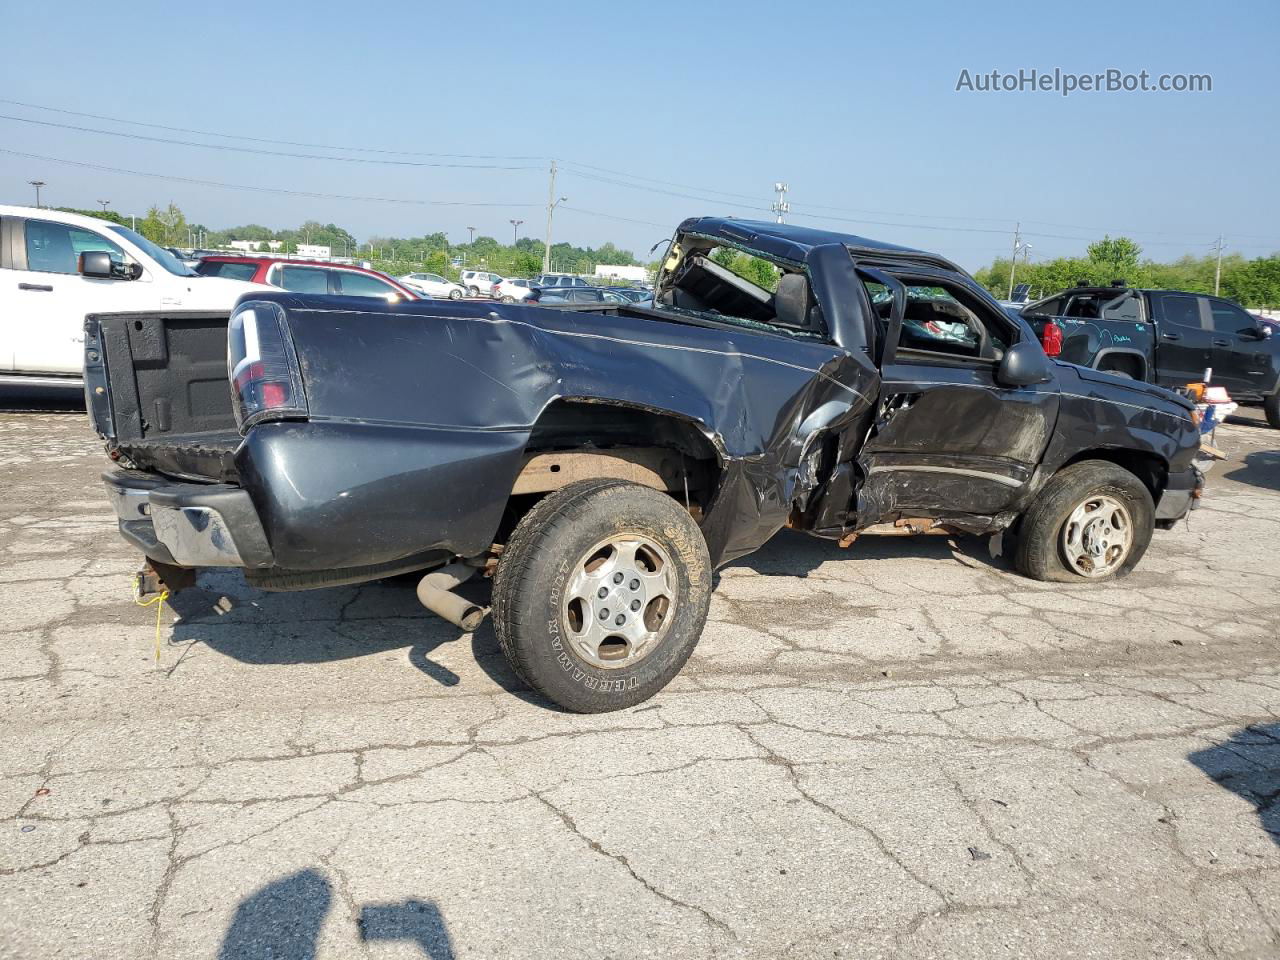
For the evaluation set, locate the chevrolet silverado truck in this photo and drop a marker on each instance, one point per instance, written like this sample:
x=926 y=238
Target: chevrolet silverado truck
x=601 y=461
x=1163 y=336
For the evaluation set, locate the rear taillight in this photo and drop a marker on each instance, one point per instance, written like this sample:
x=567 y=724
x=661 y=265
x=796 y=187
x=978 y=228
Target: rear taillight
x=265 y=380
x=1051 y=338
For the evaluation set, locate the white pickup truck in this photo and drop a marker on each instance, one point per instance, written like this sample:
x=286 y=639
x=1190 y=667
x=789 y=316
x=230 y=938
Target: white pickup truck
x=57 y=267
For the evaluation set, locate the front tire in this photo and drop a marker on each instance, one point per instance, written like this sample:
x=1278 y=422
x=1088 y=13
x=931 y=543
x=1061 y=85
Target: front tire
x=1271 y=407
x=601 y=594
x=1092 y=521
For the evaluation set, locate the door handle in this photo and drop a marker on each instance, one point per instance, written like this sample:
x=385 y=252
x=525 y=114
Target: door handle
x=36 y=286
x=1171 y=336
x=1222 y=343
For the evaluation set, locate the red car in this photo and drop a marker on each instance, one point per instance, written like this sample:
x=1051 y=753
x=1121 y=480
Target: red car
x=308 y=276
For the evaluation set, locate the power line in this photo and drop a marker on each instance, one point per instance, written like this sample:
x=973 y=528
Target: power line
x=256 y=189
x=256 y=150
x=284 y=143
x=748 y=198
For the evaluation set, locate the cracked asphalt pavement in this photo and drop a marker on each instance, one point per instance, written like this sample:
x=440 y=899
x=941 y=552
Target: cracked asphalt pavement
x=898 y=750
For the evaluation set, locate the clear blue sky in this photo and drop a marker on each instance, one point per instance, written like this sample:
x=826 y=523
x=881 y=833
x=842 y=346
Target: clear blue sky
x=853 y=104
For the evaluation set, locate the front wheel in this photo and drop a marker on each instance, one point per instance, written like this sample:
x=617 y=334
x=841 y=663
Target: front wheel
x=601 y=594
x=455 y=294
x=1092 y=521
x=508 y=299
x=1271 y=407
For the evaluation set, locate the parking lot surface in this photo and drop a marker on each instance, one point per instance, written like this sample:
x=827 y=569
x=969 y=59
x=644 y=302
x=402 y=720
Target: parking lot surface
x=902 y=749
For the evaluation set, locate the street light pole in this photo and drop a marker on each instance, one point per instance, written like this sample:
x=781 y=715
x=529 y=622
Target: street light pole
x=104 y=205
x=473 y=235
x=37 y=184
x=515 y=230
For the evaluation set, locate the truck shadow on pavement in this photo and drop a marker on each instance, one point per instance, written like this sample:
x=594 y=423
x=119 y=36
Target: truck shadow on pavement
x=254 y=627
x=794 y=554
x=257 y=628
x=1248 y=764
x=283 y=920
x=1261 y=469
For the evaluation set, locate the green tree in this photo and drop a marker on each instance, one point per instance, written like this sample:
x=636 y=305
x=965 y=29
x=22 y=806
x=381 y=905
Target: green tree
x=1120 y=256
x=166 y=227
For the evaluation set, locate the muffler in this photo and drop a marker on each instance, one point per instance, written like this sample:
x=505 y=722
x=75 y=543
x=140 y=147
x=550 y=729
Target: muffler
x=435 y=592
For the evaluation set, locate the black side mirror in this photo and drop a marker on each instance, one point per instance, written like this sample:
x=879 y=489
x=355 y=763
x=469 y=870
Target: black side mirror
x=99 y=265
x=1023 y=364
x=96 y=263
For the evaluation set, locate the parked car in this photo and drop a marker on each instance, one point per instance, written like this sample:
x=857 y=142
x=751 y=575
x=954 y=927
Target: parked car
x=624 y=459
x=1163 y=336
x=309 y=276
x=629 y=293
x=550 y=295
x=434 y=285
x=512 y=290
x=480 y=282
x=561 y=280
x=57 y=267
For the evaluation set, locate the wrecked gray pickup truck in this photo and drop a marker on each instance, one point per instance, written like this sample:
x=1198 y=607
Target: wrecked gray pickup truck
x=600 y=463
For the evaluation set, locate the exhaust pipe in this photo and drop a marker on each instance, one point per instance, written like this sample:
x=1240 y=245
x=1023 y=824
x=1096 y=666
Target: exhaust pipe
x=435 y=592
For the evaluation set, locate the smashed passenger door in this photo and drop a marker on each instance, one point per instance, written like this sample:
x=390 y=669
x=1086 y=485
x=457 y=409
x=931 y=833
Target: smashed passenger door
x=948 y=440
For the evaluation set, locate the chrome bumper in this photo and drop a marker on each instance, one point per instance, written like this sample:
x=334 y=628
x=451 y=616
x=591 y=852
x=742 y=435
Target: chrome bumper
x=188 y=524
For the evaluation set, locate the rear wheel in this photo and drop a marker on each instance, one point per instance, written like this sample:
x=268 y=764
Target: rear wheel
x=601 y=594
x=508 y=299
x=1092 y=521
x=473 y=291
x=455 y=294
x=1271 y=407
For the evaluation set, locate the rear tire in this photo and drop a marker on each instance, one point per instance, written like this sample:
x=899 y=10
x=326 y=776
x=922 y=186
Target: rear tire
x=1092 y=521
x=455 y=294
x=1271 y=407
x=473 y=291
x=588 y=653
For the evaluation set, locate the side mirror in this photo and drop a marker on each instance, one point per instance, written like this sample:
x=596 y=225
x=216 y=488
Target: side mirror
x=1263 y=331
x=1024 y=364
x=98 y=265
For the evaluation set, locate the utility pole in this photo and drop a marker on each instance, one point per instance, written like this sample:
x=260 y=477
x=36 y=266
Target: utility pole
x=1013 y=261
x=551 y=206
x=473 y=235
x=1217 y=272
x=37 y=184
x=780 y=206
x=104 y=205
x=515 y=230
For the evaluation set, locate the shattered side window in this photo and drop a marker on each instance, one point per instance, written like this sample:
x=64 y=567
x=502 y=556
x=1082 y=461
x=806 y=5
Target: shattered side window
x=935 y=320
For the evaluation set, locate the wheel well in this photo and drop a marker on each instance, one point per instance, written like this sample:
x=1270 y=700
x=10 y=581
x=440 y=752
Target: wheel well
x=1129 y=363
x=1150 y=468
x=576 y=439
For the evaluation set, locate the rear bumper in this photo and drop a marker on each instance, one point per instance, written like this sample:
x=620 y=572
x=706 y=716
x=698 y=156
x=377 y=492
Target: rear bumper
x=188 y=524
x=1181 y=494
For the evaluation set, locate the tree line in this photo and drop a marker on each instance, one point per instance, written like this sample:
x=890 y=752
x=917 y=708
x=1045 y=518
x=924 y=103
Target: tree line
x=432 y=252
x=1253 y=283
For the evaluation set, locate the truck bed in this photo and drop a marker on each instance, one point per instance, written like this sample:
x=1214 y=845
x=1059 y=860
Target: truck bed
x=158 y=391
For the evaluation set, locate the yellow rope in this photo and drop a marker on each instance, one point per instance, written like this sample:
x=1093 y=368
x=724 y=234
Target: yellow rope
x=157 y=601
